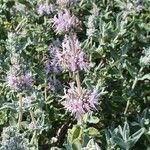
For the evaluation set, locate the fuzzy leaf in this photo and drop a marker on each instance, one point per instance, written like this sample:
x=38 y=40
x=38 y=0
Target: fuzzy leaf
x=135 y=137
x=146 y=76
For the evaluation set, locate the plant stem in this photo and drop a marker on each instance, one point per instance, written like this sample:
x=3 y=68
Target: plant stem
x=34 y=133
x=132 y=88
x=20 y=111
x=21 y=24
x=32 y=117
x=127 y=106
x=78 y=81
x=80 y=4
x=33 y=137
x=45 y=90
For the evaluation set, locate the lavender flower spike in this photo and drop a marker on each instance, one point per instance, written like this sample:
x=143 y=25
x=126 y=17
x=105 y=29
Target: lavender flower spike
x=17 y=82
x=63 y=21
x=62 y=2
x=79 y=103
x=72 y=57
x=11 y=81
x=45 y=9
x=65 y=2
x=40 y=9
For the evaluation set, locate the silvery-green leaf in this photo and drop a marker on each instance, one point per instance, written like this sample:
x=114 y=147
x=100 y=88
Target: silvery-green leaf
x=93 y=119
x=92 y=131
x=126 y=131
x=146 y=76
x=91 y=146
x=135 y=137
x=119 y=142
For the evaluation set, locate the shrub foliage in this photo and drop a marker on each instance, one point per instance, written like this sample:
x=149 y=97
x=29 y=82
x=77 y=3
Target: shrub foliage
x=74 y=74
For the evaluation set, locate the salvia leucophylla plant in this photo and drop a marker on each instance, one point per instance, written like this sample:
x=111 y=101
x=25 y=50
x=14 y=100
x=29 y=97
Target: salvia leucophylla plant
x=74 y=74
x=121 y=137
x=13 y=140
x=72 y=58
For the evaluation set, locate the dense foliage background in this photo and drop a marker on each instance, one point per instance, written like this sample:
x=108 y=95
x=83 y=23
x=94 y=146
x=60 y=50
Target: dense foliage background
x=115 y=37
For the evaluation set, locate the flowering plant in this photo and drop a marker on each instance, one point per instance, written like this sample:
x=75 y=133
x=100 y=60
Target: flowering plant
x=74 y=74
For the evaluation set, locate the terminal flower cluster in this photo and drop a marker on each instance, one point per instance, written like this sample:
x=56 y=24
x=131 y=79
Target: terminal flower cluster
x=72 y=57
x=17 y=82
x=45 y=9
x=65 y=2
x=79 y=102
x=63 y=21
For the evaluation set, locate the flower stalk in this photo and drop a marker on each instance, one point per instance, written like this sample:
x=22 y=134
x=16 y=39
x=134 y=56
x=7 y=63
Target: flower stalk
x=21 y=25
x=33 y=118
x=34 y=139
x=20 y=111
x=78 y=81
x=132 y=88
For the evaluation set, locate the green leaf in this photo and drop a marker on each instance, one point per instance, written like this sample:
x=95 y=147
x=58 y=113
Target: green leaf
x=3 y=117
x=132 y=70
x=91 y=146
x=75 y=134
x=119 y=142
x=93 y=119
x=136 y=136
x=146 y=76
x=76 y=146
x=92 y=131
x=126 y=131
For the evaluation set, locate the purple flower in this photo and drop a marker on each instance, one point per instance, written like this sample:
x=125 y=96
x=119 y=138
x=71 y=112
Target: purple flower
x=71 y=43
x=49 y=9
x=54 y=47
x=81 y=61
x=17 y=82
x=11 y=81
x=75 y=107
x=62 y=2
x=54 y=85
x=65 y=2
x=139 y=8
x=79 y=103
x=27 y=78
x=45 y=9
x=92 y=97
x=51 y=66
x=63 y=21
x=40 y=9
x=72 y=57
